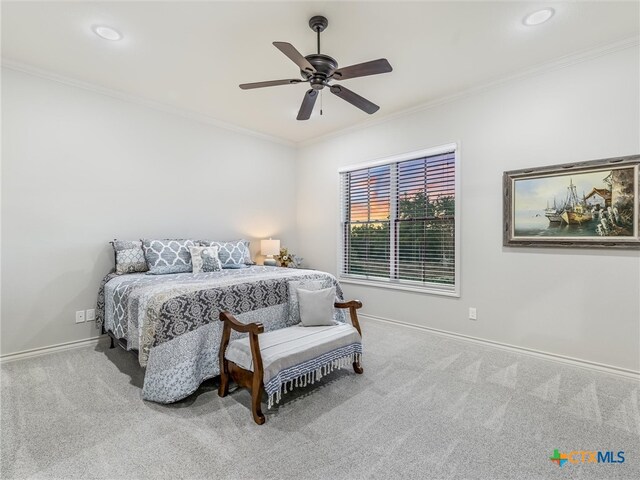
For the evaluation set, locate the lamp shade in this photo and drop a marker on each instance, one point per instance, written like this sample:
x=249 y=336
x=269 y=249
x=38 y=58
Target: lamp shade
x=270 y=247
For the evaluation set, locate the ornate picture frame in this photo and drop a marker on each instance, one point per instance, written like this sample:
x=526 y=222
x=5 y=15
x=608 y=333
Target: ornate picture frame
x=594 y=204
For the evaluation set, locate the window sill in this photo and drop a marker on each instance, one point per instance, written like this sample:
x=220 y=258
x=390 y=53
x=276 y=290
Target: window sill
x=400 y=286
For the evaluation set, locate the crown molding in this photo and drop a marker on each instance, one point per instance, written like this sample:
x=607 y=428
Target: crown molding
x=135 y=99
x=557 y=64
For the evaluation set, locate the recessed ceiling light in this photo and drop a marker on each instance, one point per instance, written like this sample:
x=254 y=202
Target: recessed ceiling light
x=538 y=17
x=107 y=33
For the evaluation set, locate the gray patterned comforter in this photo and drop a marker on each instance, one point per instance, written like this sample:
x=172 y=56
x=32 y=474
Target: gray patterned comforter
x=172 y=320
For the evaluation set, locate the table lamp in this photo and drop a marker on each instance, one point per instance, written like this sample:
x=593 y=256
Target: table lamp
x=269 y=248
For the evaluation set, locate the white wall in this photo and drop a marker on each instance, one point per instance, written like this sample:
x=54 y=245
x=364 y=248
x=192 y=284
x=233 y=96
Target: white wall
x=80 y=168
x=580 y=303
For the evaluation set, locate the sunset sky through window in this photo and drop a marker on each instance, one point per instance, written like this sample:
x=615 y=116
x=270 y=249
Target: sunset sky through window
x=370 y=189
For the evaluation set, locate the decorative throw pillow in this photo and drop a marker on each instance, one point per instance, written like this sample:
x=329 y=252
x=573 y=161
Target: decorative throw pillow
x=316 y=307
x=205 y=259
x=294 y=285
x=129 y=256
x=167 y=256
x=232 y=254
x=247 y=254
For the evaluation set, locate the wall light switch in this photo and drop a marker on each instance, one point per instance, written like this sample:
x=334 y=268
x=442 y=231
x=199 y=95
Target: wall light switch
x=472 y=314
x=80 y=316
x=91 y=315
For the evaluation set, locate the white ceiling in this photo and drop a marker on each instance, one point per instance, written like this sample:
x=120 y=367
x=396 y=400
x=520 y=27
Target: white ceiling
x=193 y=55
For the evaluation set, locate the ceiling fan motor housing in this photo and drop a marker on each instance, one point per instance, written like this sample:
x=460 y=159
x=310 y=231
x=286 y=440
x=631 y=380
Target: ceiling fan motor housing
x=325 y=67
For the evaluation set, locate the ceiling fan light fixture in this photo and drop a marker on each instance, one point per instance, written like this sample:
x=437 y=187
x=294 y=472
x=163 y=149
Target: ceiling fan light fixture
x=107 y=33
x=538 y=17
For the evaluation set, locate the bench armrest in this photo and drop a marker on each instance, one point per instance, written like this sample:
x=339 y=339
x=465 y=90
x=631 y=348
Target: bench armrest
x=252 y=379
x=230 y=320
x=352 y=305
x=253 y=329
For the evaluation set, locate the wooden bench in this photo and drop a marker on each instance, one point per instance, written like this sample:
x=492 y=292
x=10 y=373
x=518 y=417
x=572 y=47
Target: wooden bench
x=320 y=348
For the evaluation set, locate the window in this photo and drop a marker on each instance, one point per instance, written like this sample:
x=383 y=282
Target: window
x=399 y=222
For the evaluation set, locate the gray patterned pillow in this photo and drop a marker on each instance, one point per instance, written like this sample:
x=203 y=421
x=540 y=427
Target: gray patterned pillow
x=232 y=254
x=205 y=259
x=247 y=255
x=167 y=256
x=129 y=256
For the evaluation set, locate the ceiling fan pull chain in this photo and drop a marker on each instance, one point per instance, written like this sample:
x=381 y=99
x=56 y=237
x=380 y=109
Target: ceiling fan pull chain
x=320 y=102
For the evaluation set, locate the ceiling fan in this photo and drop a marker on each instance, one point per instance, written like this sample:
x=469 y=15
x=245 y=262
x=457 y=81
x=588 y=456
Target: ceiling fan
x=318 y=69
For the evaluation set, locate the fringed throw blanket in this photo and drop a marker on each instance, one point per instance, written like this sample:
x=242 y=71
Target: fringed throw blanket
x=275 y=389
x=298 y=355
x=172 y=320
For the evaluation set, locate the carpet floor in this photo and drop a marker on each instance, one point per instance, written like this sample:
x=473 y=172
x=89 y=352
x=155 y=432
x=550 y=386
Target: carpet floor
x=427 y=406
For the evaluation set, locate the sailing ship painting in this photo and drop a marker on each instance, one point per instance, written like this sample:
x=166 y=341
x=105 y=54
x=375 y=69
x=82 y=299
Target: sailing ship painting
x=553 y=214
x=575 y=210
x=595 y=203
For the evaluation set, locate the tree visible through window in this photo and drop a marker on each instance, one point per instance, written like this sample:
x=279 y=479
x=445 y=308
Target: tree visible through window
x=399 y=222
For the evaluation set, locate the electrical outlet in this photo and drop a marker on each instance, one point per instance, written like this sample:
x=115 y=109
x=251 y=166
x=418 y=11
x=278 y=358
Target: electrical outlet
x=472 y=313
x=80 y=316
x=91 y=315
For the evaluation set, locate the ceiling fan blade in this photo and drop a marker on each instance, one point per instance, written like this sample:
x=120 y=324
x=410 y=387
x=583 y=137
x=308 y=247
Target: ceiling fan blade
x=271 y=83
x=291 y=52
x=354 y=99
x=307 y=105
x=373 y=67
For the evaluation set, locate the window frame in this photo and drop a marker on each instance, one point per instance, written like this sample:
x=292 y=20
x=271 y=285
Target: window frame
x=398 y=284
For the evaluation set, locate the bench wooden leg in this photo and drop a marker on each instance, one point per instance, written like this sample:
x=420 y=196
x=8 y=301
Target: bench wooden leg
x=223 y=389
x=357 y=367
x=256 y=399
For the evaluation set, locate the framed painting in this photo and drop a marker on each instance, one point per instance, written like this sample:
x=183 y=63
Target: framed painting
x=586 y=204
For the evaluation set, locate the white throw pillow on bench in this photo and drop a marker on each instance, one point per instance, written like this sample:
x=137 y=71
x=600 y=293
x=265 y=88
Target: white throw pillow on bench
x=316 y=307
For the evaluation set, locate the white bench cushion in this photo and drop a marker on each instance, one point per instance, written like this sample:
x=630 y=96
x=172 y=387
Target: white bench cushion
x=287 y=347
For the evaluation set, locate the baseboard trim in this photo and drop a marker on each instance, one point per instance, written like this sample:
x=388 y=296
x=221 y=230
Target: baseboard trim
x=554 y=357
x=60 y=347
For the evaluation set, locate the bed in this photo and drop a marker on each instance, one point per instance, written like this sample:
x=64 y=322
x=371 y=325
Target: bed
x=171 y=320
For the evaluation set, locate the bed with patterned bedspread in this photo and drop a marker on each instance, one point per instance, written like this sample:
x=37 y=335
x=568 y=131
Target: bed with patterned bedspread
x=172 y=320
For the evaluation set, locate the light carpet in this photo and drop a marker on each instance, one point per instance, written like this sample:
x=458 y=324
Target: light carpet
x=427 y=406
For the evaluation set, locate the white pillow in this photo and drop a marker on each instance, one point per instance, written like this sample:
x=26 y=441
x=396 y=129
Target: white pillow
x=294 y=286
x=316 y=307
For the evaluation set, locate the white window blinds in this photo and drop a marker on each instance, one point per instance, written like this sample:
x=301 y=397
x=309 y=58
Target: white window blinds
x=399 y=222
